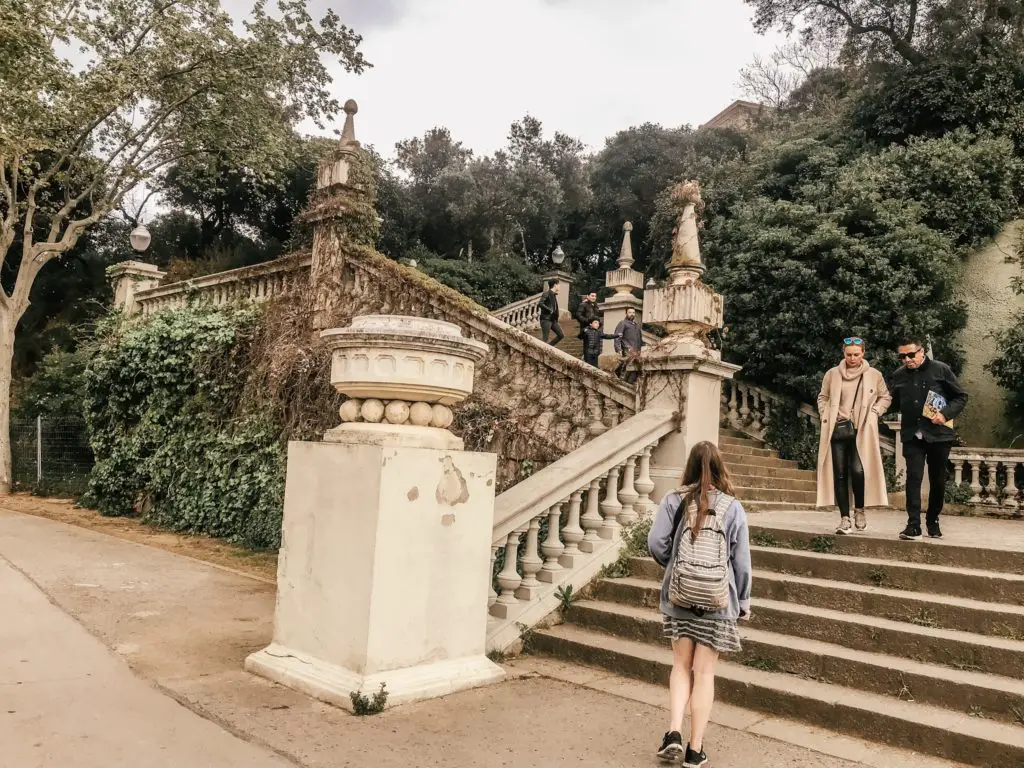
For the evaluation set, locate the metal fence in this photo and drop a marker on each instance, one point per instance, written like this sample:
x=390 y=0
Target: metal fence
x=51 y=456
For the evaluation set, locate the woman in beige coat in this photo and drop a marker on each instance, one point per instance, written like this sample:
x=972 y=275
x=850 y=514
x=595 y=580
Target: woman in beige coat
x=853 y=396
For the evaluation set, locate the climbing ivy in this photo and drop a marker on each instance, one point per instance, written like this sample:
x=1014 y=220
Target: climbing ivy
x=176 y=439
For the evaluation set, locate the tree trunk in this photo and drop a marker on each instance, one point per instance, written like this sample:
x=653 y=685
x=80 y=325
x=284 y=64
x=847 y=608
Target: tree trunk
x=6 y=361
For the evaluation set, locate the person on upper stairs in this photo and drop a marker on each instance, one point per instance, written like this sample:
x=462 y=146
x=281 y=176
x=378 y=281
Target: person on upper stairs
x=629 y=344
x=587 y=312
x=928 y=397
x=592 y=338
x=549 y=314
x=700 y=537
x=853 y=397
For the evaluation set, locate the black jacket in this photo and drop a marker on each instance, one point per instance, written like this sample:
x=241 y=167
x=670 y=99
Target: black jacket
x=586 y=313
x=909 y=389
x=549 y=306
x=631 y=336
x=592 y=338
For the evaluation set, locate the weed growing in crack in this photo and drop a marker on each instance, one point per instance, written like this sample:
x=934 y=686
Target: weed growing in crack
x=363 y=705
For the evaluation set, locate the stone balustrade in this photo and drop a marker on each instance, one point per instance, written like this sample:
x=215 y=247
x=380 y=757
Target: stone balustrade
x=996 y=476
x=562 y=525
x=258 y=283
x=523 y=314
x=748 y=408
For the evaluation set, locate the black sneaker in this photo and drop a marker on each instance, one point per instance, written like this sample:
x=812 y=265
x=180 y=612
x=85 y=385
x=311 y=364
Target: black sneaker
x=694 y=759
x=671 y=747
x=934 y=532
x=911 y=532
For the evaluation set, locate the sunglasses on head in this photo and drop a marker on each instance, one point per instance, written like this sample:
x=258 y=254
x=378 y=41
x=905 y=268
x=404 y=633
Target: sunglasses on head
x=853 y=341
x=907 y=355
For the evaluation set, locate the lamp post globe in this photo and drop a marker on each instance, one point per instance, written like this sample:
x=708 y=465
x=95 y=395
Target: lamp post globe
x=558 y=256
x=140 y=238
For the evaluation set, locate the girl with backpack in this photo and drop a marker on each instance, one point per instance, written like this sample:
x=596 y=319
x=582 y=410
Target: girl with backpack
x=699 y=536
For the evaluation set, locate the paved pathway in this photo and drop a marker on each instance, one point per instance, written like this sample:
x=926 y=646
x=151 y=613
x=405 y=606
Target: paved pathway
x=78 y=605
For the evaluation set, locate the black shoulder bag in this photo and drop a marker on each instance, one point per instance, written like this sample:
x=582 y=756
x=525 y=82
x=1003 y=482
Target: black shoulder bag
x=845 y=429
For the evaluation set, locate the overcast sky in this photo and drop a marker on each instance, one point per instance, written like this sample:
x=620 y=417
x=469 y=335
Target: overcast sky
x=584 y=67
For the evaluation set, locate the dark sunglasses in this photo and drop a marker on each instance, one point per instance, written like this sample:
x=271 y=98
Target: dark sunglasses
x=907 y=355
x=853 y=341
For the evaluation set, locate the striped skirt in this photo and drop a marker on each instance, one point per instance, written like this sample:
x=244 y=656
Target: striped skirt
x=719 y=635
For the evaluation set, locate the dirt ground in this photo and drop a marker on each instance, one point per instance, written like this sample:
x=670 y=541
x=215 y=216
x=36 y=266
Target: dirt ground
x=261 y=565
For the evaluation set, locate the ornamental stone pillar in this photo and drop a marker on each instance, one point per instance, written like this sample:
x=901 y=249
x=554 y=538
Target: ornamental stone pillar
x=385 y=559
x=623 y=281
x=129 y=278
x=683 y=372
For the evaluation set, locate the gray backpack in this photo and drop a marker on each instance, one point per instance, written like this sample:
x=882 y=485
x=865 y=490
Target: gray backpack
x=700 y=569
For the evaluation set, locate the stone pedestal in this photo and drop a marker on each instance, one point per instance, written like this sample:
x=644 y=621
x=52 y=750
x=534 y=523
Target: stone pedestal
x=623 y=281
x=385 y=558
x=129 y=278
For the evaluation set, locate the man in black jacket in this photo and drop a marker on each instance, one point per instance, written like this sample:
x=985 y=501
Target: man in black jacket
x=928 y=397
x=628 y=344
x=549 y=314
x=587 y=312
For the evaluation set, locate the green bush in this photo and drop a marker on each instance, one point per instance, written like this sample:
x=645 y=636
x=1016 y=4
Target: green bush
x=792 y=435
x=55 y=390
x=169 y=424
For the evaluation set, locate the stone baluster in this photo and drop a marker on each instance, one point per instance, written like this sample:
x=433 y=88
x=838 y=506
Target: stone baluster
x=744 y=404
x=734 y=414
x=591 y=520
x=755 y=413
x=531 y=562
x=645 y=484
x=628 y=496
x=572 y=533
x=975 y=466
x=610 y=507
x=552 y=548
x=509 y=578
x=958 y=471
x=597 y=425
x=492 y=595
x=611 y=409
x=1011 y=483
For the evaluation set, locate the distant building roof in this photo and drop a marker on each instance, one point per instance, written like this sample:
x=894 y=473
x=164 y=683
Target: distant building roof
x=739 y=115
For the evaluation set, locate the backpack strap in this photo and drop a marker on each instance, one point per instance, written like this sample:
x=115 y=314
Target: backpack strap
x=722 y=505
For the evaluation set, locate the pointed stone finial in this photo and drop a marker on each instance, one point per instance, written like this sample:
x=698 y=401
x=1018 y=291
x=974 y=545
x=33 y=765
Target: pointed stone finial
x=348 y=133
x=626 y=252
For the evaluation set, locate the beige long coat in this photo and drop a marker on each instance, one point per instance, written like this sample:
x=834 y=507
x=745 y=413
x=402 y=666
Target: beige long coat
x=872 y=401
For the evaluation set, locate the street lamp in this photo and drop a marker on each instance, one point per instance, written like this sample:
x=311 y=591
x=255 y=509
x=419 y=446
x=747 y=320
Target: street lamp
x=140 y=238
x=651 y=284
x=558 y=256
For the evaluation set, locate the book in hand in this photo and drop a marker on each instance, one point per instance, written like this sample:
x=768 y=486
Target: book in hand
x=933 y=405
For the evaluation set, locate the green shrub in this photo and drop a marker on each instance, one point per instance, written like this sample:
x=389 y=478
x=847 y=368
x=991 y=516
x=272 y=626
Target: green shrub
x=174 y=436
x=792 y=435
x=493 y=283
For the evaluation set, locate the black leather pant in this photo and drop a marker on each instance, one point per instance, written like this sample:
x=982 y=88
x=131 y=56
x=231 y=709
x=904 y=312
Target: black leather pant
x=847 y=469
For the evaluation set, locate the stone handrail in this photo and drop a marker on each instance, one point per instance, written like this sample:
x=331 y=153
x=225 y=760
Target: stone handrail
x=523 y=314
x=749 y=408
x=260 y=282
x=581 y=502
x=992 y=474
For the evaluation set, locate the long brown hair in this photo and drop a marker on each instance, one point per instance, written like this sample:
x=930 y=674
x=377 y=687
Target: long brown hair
x=705 y=472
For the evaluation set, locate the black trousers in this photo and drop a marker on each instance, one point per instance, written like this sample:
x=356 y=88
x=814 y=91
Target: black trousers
x=591 y=359
x=847 y=470
x=629 y=377
x=547 y=325
x=918 y=454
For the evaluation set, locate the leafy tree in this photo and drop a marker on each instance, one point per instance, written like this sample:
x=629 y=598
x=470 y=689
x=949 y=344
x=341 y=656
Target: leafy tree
x=153 y=83
x=493 y=284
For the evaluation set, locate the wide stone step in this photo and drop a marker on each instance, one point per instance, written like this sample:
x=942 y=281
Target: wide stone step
x=781 y=473
x=775 y=506
x=927 y=610
x=775 y=494
x=881 y=542
x=913 y=725
x=775 y=483
x=973 y=693
x=751 y=449
x=915 y=577
x=735 y=460
x=741 y=441
x=950 y=648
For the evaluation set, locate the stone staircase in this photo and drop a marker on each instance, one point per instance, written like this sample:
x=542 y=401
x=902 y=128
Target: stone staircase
x=916 y=644
x=570 y=344
x=761 y=479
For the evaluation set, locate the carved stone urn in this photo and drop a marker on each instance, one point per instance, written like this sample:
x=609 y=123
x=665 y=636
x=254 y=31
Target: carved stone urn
x=401 y=375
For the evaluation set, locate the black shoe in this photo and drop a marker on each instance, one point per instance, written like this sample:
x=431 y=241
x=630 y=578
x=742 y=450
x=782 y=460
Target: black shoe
x=934 y=532
x=694 y=759
x=911 y=532
x=671 y=747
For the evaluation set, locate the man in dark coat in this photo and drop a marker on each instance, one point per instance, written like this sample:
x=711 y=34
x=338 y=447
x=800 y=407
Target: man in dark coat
x=629 y=343
x=549 y=314
x=587 y=312
x=928 y=397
